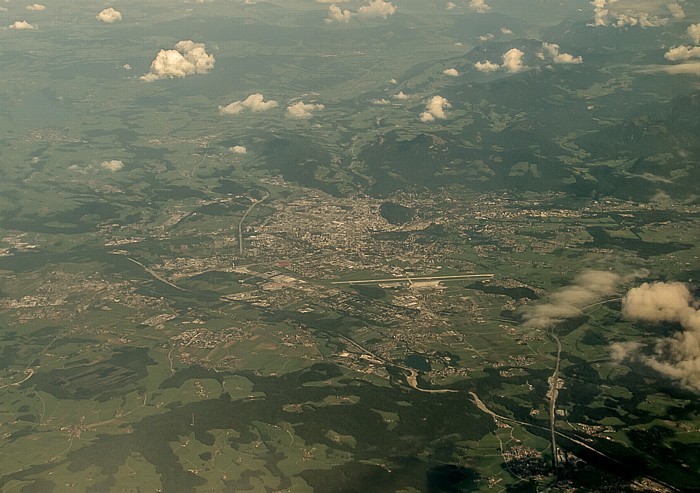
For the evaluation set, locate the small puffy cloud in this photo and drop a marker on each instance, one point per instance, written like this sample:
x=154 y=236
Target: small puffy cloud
x=126 y=66
x=452 y=72
x=682 y=53
x=560 y=58
x=377 y=8
x=678 y=356
x=505 y=30
x=381 y=102
x=186 y=59
x=513 y=60
x=109 y=15
x=36 y=7
x=113 y=165
x=451 y=6
x=336 y=14
x=21 y=25
x=641 y=19
x=479 y=6
x=486 y=66
x=401 y=96
x=567 y=59
x=302 y=111
x=486 y=37
x=393 y=81
x=255 y=103
x=676 y=11
x=238 y=149
x=693 y=33
x=435 y=109
x=600 y=13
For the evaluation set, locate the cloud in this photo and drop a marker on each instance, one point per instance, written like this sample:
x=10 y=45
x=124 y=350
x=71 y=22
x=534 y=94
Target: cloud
x=513 y=60
x=375 y=8
x=186 y=59
x=380 y=102
x=600 y=13
x=676 y=11
x=435 y=109
x=505 y=30
x=21 y=25
x=605 y=15
x=560 y=58
x=479 y=6
x=693 y=33
x=113 y=165
x=109 y=15
x=254 y=103
x=302 y=111
x=682 y=53
x=36 y=7
x=238 y=149
x=401 y=96
x=678 y=356
x=451 y=6
x=486 y=66
x=486 y=37
x=568 y=302
x=452 y=72
x=642 y=19
x=336 y=14
x=687 y=68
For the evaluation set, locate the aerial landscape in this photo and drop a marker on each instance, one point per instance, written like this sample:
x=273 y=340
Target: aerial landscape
x=350 y=246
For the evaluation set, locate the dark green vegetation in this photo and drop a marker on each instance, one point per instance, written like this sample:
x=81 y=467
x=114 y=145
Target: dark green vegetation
x=195 y=301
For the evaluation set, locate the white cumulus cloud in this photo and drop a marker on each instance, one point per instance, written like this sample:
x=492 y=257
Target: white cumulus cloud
x=682 y=53
x=452 y=72
x=336 y=14
x=255 y=103
x=112 y=165
x=186 y=59
x=560 y=58
x=238 y=149
x=36 y=7
x=377 y=8
x=109 y=15
x=21 y=25
x=694 y=33
x=513 y=60
x=479 y=6
x=676 y=10
x=435 y=109
x=401 y=96
x=678 y=356
x=486 y=66
x=303 y=111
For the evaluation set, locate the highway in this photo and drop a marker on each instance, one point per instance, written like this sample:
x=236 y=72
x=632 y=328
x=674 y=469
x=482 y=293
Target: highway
x=240 y=224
